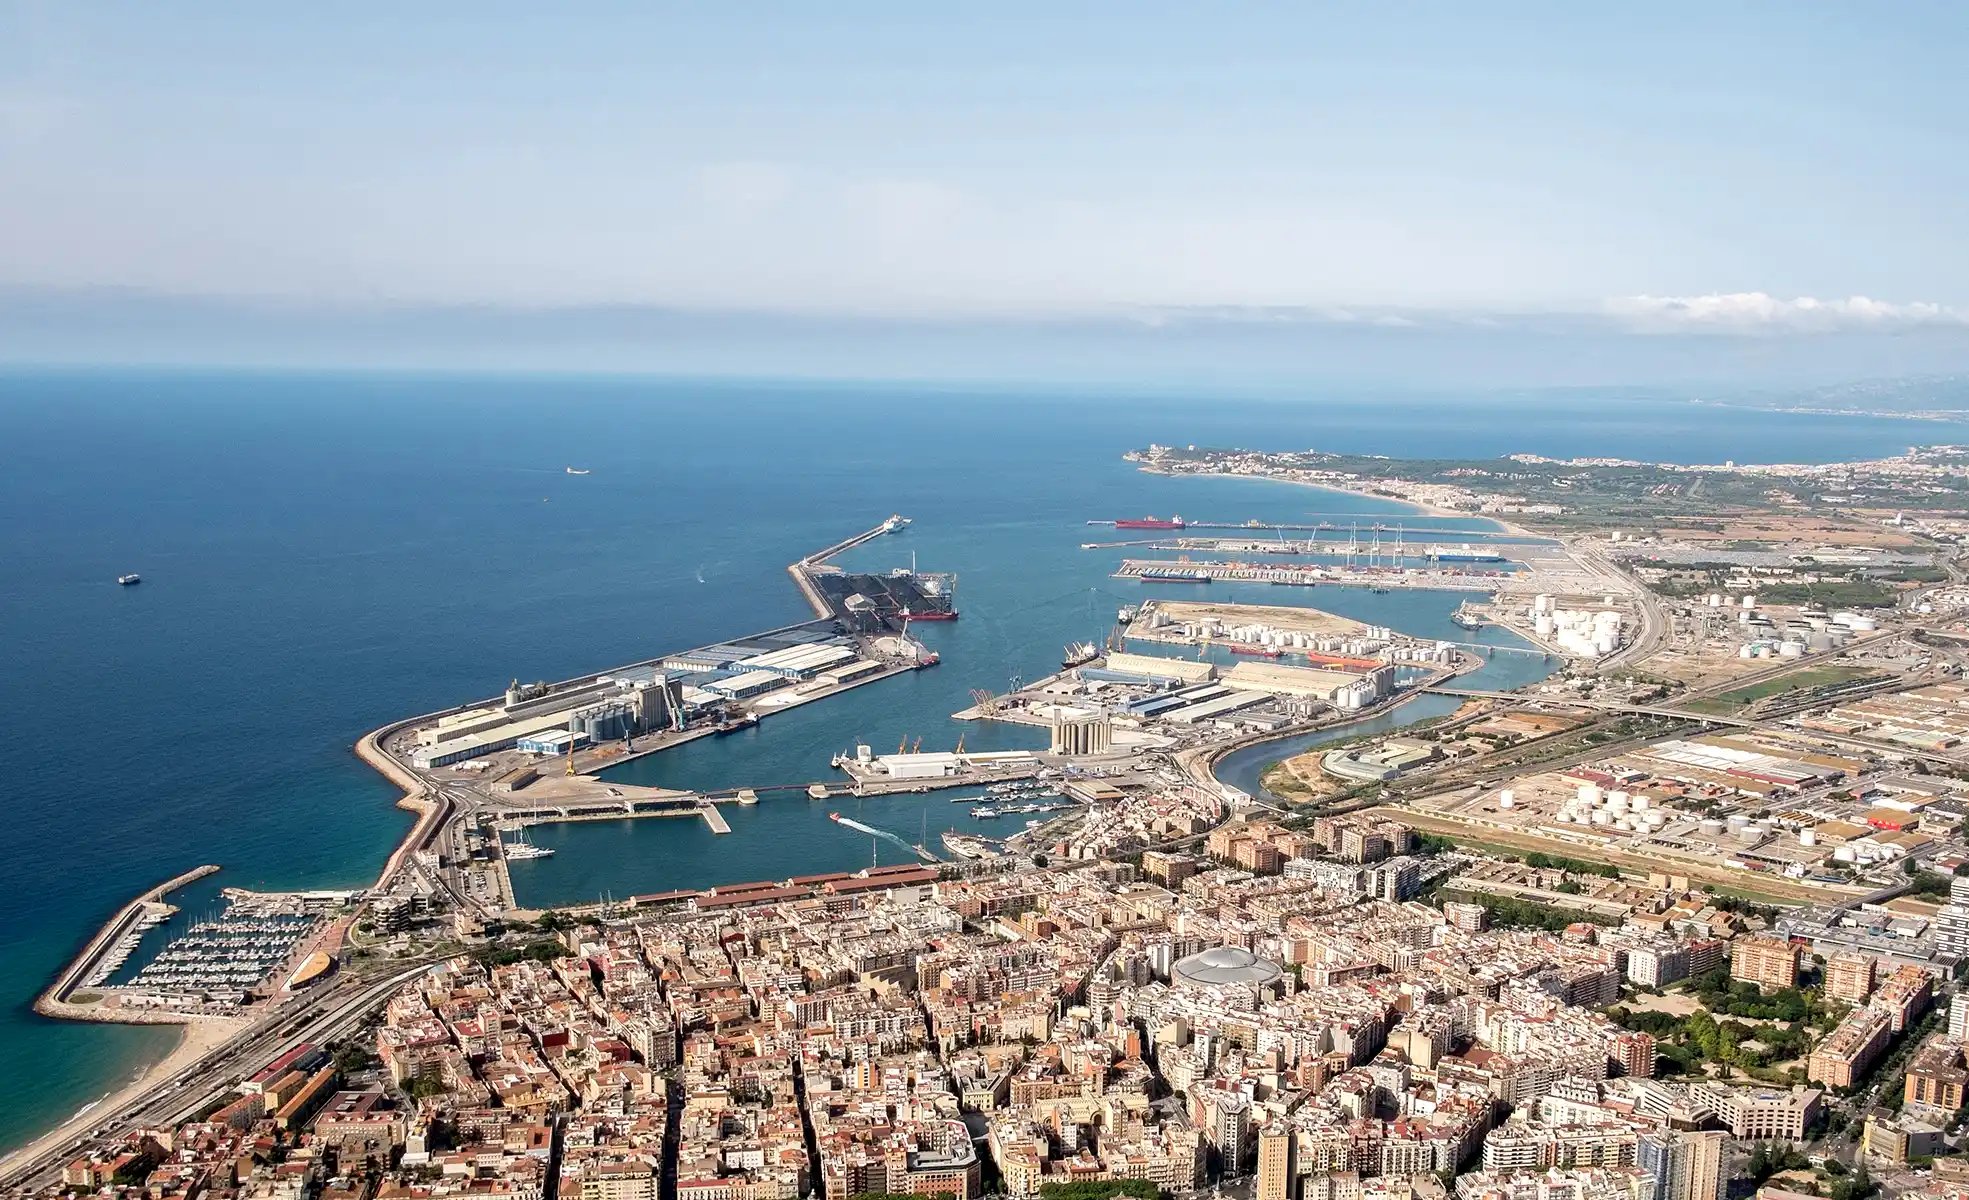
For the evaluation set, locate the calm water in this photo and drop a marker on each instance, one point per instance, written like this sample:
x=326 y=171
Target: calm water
x=324 y=553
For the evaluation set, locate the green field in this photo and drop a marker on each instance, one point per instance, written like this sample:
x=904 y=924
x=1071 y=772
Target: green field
x=1735 y=699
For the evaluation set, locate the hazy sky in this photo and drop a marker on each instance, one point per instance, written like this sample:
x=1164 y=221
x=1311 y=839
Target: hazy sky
x=1740 y=167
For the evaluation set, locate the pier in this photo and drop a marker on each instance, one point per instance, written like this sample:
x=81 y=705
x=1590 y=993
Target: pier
x=55 y=1002
x=1176 y=572
x=714 y=818
x=802 y=571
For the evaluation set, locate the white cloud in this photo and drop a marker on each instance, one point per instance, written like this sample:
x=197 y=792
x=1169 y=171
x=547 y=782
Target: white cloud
x=1753 y=312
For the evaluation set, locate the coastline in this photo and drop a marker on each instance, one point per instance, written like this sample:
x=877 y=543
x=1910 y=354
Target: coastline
x=195 y=1039
x=1419 y=507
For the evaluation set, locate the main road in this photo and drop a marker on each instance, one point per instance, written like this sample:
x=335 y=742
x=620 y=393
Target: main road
x=330 y=1013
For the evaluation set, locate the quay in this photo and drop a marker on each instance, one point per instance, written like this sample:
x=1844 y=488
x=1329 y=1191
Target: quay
x=803 y=570
x=55 y=1001
x=1353 y=521
x=1172 y=571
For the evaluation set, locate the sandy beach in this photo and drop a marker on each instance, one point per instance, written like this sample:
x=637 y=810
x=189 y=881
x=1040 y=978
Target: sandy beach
x=1421 y=507
x=195 y=1040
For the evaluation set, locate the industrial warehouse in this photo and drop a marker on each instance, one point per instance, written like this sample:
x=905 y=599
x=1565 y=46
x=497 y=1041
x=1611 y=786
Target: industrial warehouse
x=705 y=690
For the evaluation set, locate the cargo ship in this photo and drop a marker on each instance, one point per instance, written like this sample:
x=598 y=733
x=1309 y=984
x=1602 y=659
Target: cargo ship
x=1464 y=553
x=1079 y=653
x=928 y=614
x=1174 y=575
x=129 y=580
x=1251 y=651
x=1151 y=523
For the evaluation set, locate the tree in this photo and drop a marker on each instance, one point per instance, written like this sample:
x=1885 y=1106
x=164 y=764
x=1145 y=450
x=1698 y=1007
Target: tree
x=1099 y=1189
x=1857 y=1186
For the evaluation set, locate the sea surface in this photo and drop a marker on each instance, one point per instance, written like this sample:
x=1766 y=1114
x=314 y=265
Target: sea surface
x=323 y=553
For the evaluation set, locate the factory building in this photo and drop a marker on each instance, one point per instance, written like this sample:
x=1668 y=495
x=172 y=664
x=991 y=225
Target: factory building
x=1149 y=666
x=797 y=662
x=553 y=742
x=751 y=683
x=1078 y=732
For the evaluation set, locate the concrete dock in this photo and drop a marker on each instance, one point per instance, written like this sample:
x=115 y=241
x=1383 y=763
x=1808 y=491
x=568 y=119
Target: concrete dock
x=802 y=571
x=55 y=1001
x=1335 y=575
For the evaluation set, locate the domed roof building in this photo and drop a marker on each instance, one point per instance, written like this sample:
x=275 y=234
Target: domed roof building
x=1230 y=968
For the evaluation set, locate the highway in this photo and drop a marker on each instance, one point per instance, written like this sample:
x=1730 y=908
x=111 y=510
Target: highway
x=328 y=1014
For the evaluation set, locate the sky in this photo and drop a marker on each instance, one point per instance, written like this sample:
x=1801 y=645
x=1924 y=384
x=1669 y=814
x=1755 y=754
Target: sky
x=322 y=182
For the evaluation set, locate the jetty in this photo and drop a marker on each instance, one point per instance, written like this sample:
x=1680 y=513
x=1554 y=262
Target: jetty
x=57 y=1002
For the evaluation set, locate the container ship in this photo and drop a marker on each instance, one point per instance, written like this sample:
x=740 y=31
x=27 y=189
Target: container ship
x=1151 y=523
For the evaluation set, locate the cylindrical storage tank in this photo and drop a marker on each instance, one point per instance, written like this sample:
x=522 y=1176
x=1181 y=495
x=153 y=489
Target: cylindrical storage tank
x=1715 y=600
x=1656 y=820
x=1710 y=826
x=1638 y=803
x=1863 y=625
x=1589 y=792
x=1818 y=643
x=1750 y=602
x=1737 y=821
x=1747 y=651
x=1791 y=649
x=1808 y=837
x=1603 y=817
x=1541 y=603
x=1505 y=799
x=1542 y=625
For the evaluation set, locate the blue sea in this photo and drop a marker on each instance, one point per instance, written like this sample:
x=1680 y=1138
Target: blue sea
x=323 y=553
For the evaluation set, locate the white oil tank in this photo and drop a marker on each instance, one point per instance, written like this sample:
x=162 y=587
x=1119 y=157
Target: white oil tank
x=1808 y=837
x=1750 y=602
